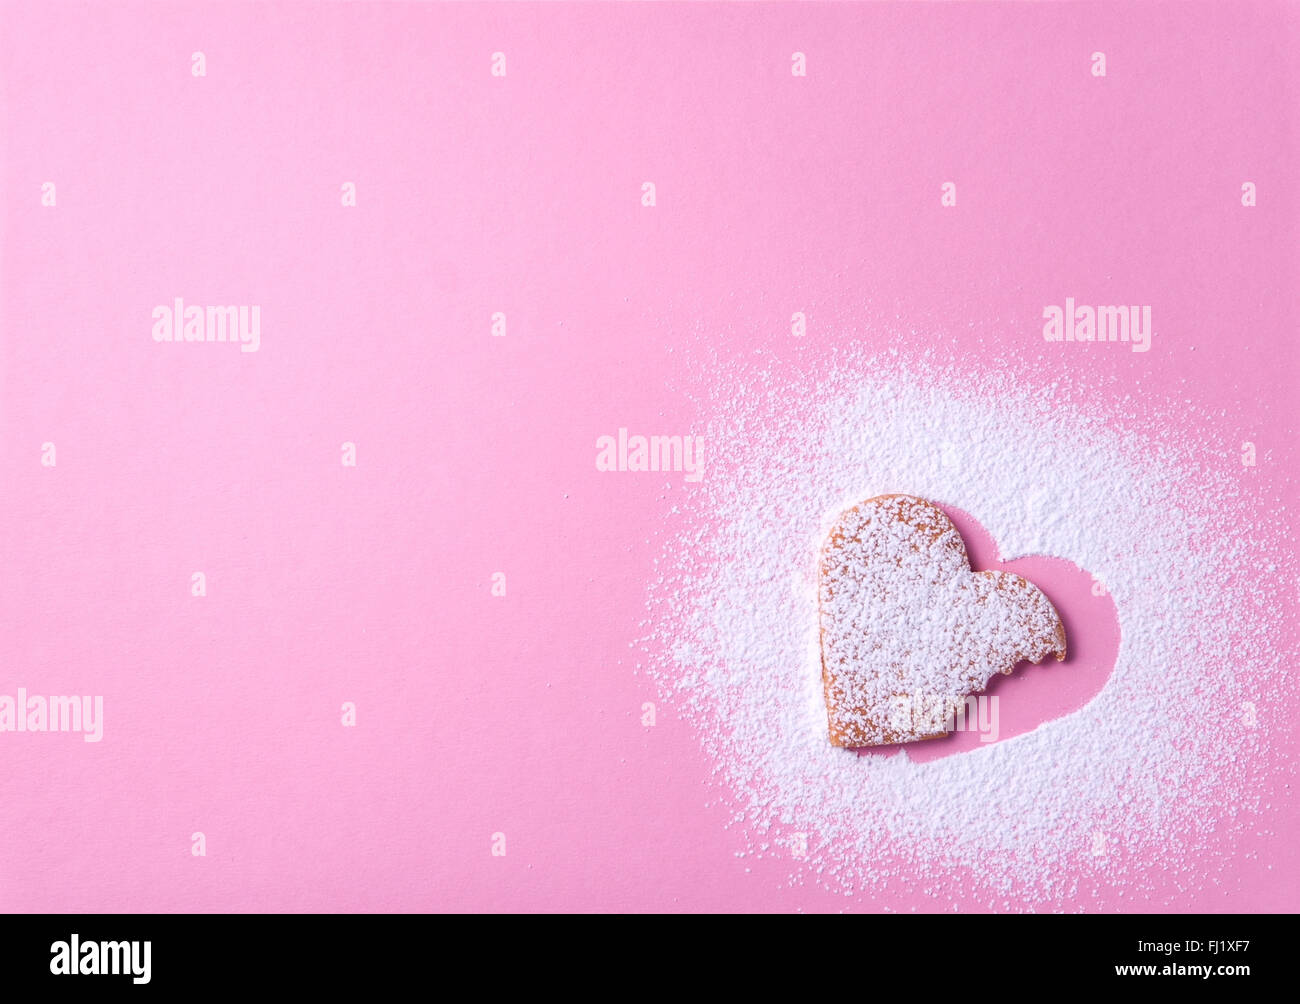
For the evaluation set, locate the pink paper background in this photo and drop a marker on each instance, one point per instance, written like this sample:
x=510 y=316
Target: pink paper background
x=477 y=194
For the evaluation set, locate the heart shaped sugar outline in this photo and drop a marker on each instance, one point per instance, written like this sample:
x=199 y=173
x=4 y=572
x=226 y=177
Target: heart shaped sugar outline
x=908 y=630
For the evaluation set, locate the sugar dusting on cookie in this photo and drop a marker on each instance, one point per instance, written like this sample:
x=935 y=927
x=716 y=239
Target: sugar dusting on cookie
x=904 y=619
x=1158 y=762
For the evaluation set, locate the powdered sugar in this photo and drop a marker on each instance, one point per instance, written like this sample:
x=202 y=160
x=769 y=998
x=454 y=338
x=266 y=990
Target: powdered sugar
x=1156 y=759
x=904 y=622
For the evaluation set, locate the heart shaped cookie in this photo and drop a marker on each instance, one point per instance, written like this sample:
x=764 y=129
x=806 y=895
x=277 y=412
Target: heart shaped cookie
x=906 y=625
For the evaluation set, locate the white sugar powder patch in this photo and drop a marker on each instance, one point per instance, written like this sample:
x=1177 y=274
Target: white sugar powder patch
x=1141 y=773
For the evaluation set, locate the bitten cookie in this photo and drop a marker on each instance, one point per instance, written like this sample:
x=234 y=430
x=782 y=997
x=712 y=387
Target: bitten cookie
x=906 y=624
